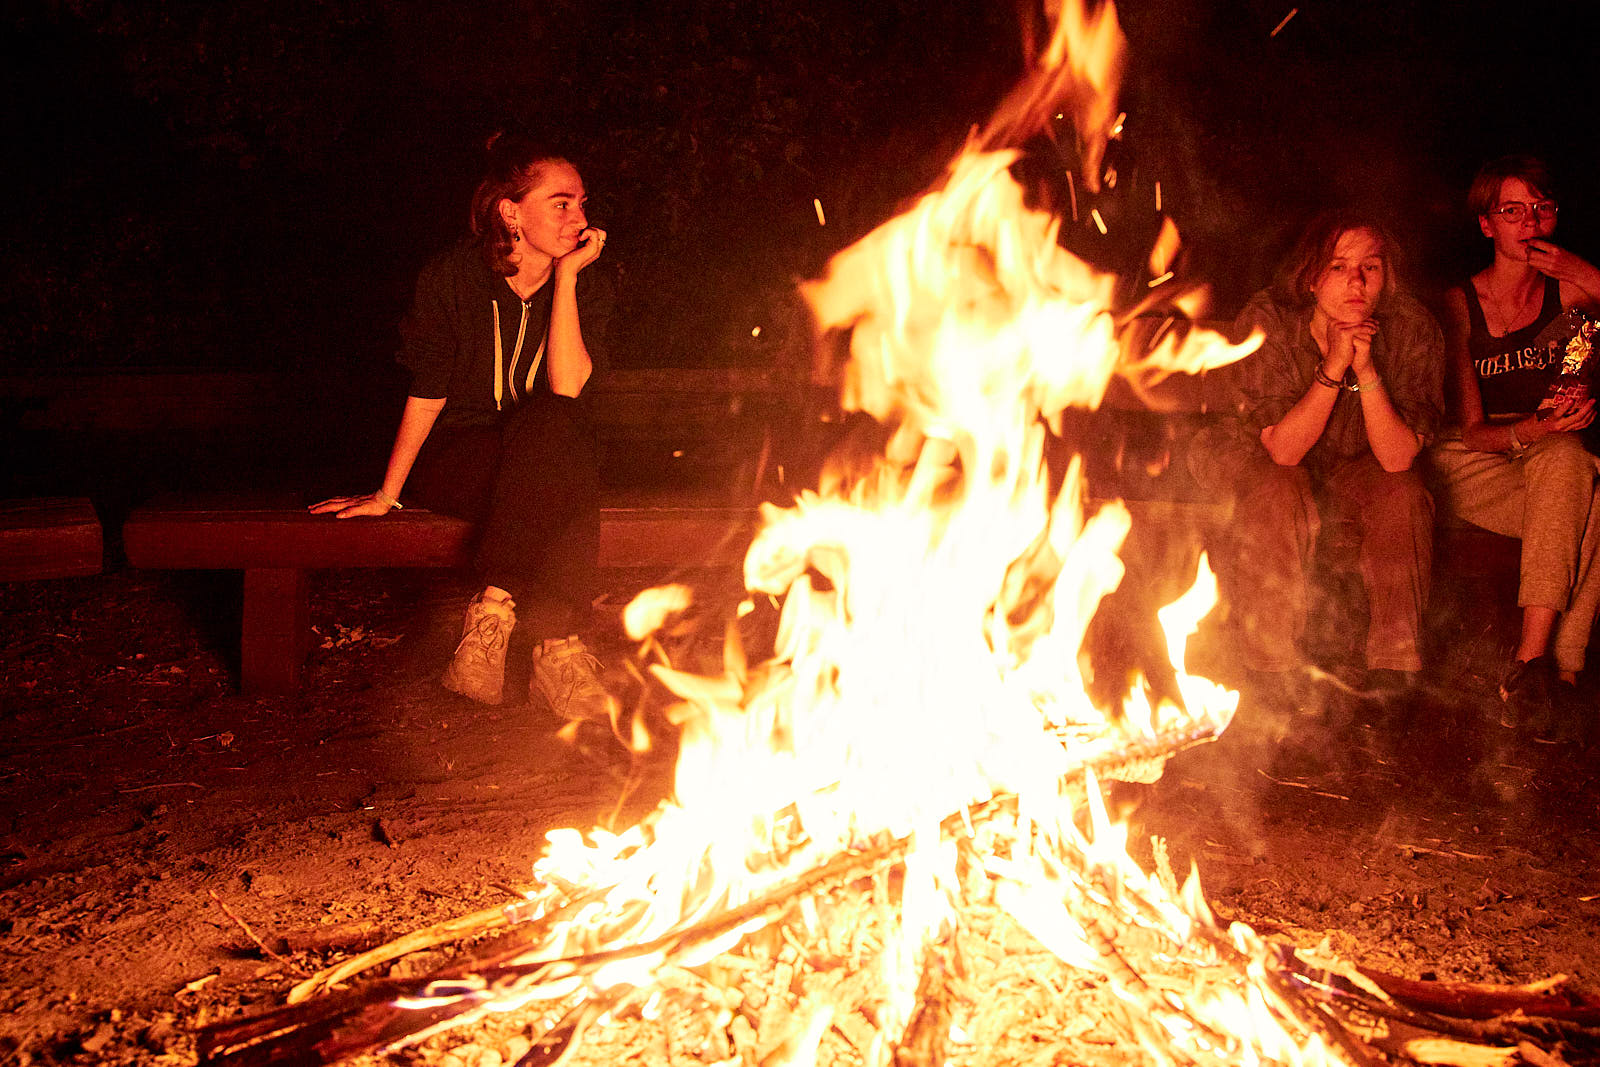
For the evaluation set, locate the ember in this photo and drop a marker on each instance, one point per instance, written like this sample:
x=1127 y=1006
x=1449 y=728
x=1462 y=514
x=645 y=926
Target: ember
x=887 y=844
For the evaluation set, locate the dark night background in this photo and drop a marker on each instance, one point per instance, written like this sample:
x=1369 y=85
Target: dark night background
x=253 y=185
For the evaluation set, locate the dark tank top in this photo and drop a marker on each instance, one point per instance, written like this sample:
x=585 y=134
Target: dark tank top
x=1513 y=373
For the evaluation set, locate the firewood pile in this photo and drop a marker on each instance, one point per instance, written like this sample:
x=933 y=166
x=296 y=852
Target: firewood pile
x=807 y=979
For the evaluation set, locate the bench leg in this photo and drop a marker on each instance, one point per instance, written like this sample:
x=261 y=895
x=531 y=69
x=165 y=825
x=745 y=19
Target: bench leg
x=276 y=624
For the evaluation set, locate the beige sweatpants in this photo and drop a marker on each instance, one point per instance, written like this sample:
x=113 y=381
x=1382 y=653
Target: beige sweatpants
x=1545 y=497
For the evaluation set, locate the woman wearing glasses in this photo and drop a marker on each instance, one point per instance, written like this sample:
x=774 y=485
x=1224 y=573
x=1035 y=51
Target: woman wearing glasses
x=1517 y=469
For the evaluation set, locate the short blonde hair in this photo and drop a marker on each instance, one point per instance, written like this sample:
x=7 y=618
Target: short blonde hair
x=1484 y=192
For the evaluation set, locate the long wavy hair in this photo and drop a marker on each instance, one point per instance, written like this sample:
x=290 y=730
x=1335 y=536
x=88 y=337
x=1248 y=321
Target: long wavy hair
x=1314 y=251
x=514 y=165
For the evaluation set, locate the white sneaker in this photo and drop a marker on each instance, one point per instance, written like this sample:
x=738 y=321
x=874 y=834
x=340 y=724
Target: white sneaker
x=478 y=669
x=567 y=676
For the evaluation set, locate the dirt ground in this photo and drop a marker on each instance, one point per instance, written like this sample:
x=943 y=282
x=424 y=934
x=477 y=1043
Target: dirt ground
x=175 y=853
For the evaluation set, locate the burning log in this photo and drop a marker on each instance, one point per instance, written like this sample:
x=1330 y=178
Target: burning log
x=1548 y=999
x=337 y=1026
x=1350 y=1009
x=1464 y=1023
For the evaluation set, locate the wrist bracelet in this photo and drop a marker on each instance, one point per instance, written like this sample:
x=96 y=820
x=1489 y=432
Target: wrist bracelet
x=385 y=498
x=1324 y=378
x=1356 y=387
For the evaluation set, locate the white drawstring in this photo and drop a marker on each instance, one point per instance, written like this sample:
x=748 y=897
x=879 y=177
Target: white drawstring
x=516 y=353
x=500 y=374
x=498 y=354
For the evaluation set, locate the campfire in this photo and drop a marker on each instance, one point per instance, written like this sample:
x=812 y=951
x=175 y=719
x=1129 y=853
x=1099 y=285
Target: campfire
x=887 y=843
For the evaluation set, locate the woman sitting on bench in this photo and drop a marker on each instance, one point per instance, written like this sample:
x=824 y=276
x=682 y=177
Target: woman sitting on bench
x=493 y=430
x=1518 y=470
x=1334 y=407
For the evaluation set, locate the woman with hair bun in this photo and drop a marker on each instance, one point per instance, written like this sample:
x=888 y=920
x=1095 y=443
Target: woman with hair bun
x=499 y=344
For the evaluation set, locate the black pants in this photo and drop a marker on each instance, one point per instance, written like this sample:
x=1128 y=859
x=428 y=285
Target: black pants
x=532 y=484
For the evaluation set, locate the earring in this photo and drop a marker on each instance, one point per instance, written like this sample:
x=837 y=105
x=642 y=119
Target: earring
x=516 y=235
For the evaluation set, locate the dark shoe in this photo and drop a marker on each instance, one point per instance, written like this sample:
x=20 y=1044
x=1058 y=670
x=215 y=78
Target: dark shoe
x=1384 y=696
x=1387 y=684
x=1525 y=689
x=1570 y=719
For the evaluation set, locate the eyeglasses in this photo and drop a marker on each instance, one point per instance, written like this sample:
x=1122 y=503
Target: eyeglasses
x=1515 y=211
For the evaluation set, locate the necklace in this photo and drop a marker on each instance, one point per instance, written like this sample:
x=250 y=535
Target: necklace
x=1509 y=316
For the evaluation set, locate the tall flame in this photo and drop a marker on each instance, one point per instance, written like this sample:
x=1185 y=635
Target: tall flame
x=926 y=689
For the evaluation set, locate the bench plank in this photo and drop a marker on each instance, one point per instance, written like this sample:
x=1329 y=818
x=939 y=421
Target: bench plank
x=276 y=542
x=49 y=537
x=244 y=531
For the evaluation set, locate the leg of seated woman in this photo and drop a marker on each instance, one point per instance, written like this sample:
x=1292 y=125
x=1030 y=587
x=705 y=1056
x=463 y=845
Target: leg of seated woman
x=1573 y=632
x=1490 y=489
x=455 y=474
x=541 y=534
x=1395 y=514
x=1560 y=477
x=1274 y=529
x=1484 y=488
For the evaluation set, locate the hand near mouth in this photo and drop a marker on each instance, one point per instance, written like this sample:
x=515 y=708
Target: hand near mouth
x=1567 y=267
x=591 y=242
x=1545 y=255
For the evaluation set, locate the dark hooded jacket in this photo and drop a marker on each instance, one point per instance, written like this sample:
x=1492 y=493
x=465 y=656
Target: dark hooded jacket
x=470 y=339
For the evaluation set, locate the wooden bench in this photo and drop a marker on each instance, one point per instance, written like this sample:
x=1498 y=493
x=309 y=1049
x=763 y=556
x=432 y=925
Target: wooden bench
x=275 y=542
x=49 y=537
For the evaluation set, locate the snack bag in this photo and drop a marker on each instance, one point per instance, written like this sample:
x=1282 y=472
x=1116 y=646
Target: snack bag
x=1569 y=343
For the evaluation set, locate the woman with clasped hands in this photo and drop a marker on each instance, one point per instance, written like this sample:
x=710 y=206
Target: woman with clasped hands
x=493 y=430
x=1516 y=469
x=1330 y=416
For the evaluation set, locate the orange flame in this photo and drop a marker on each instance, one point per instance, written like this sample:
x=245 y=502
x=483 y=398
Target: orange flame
x=933 y=612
